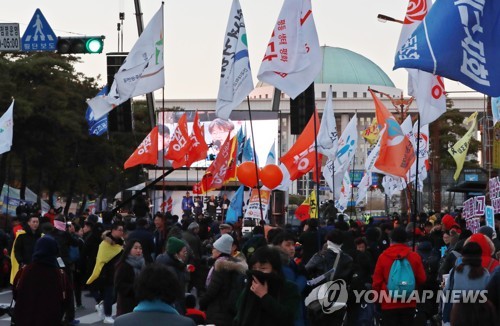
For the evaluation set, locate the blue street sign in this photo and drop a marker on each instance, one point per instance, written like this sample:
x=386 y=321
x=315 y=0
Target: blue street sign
x=38 y=36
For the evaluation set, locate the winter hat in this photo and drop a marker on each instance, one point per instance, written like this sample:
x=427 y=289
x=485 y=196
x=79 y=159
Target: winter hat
x=46 y=251
x=224 y=244
x=448 y=221
x=193 y=226
x=174 y=245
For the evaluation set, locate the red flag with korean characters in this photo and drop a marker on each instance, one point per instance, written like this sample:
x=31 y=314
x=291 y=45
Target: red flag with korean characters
x=180 y=142
x=198 y=147
x=301 y=158
x=146 y=153
x=293 y=56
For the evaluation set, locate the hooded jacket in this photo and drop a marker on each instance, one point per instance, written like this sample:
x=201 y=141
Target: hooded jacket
x=215 y=301
x=488 y=249
x=383 y=267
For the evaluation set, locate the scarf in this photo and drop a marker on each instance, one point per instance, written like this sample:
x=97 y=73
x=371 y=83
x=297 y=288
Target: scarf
x=137 y=263
x=333 y=247
x=106 y=252
x=155 y=305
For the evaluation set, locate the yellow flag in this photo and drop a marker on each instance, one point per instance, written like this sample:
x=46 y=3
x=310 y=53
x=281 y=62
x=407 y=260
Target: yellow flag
x=459 y=150
x=313 y=205
x=371 y=133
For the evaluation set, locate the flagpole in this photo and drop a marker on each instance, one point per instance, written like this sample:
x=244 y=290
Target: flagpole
x=416 y=184
x=352 y=184
x=316 y=163
x=255 y=158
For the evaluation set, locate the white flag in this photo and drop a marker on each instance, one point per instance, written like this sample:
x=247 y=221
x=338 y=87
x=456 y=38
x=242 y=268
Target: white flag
x=271 y=156
x=363 y=187
x=328 y=139
x=427 y=88
x=345 y=153
x=392 y=185
x=7 y=129
x=293 y=57
x=235 y=76
x=344 y=193
x=141 y=73
x=423 y=156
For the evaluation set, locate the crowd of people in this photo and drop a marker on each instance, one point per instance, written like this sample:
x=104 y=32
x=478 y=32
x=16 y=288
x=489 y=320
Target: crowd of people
x=196 y=269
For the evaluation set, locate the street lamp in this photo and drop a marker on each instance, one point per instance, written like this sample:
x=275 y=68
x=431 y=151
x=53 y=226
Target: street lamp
x=383 y=18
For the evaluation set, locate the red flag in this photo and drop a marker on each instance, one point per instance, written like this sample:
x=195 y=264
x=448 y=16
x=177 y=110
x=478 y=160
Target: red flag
x=222 y=170
x=396 y=150
x=180 y=142
x=302 y=212
x=301 y=158
x=146 y=153
x=198 y=148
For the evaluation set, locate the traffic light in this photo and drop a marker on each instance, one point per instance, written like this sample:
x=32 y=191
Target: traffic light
x=80 y=44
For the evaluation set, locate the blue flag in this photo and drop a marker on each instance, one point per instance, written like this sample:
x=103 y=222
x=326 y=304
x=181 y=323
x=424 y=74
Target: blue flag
x=248 y=152
x=458 y=40
x=240 y=136
x=236 y=206
x=100 y=126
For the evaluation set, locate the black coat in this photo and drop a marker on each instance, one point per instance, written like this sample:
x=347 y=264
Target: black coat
x=324 y=260
x=493 y=288
x=25 y=246
x=124 y=285
x=215 y=301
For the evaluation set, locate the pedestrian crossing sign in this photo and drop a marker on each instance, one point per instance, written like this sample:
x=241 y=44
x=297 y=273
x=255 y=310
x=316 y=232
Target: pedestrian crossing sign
x=38 y=36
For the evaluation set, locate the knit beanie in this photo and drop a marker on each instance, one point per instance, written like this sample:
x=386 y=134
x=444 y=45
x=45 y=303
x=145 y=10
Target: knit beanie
x=174 y=245
x=46 y=251
x=224 y=244
x=448 y=221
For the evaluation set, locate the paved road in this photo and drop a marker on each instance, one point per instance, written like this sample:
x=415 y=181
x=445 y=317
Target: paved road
x=87 y=316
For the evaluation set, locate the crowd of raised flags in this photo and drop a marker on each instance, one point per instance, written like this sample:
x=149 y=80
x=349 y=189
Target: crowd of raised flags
x=462 y=49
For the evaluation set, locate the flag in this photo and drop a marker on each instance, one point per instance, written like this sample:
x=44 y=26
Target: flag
x=459 y=150
x=396 y=150
x=328 y=139
x=222 y=169
x=235 y=76
x=141 y=73
x=293 y=57
x=241 y=137
x=248 y=151
x=427 y=88
x=313 y=205
x=180 y=142
x=99 y=126
x=392 y=185
x=301 y=158
x=371 y=134
x=337 y=168
x=495 y=108
x=7 y=129
x=271 y=156
x=344 y=193
x=236 y=206
x=363 y=187
x=423 y=156
x=198 y=148
x=146 y=153
x=457 y=40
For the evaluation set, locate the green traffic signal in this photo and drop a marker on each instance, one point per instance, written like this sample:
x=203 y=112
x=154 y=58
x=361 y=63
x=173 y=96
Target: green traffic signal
x=80 y=44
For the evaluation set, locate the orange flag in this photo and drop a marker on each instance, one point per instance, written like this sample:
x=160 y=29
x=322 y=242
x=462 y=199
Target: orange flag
x=222 y=170
x=396 y=150
x=301 y=158
x=180 y=143
x=146 y=153
x=198 y=149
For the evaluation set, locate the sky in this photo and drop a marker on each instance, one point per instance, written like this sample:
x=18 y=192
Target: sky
x=194 y=32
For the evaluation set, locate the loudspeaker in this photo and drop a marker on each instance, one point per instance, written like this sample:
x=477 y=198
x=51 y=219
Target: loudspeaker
x=120 y=118
x=301 y=110
x=278 y=206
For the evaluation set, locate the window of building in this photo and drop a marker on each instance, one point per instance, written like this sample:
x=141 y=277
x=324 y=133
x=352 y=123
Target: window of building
x=355 y=95
x=334 y=94
x=323 y=94
x=344 y=94
x=364 y=94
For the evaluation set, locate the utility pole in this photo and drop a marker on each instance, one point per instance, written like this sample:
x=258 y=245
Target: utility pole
x=149 y=96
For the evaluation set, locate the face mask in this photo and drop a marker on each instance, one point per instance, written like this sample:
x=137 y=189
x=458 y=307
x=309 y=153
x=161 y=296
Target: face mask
x=261 y=276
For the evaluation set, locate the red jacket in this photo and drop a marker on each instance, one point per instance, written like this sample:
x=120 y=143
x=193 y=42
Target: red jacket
x=383 y=267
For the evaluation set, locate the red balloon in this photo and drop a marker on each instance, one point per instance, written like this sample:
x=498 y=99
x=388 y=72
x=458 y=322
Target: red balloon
x=247 y=174
x=271 y=176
